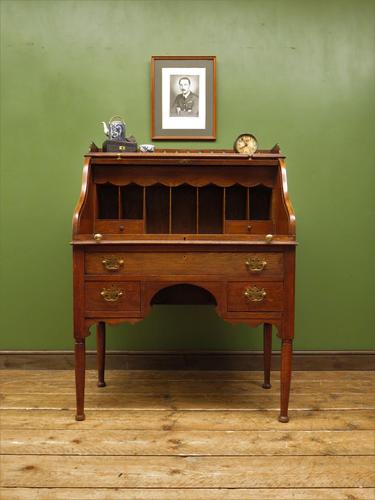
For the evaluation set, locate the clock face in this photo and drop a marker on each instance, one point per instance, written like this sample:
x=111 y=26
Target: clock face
x=246 y=144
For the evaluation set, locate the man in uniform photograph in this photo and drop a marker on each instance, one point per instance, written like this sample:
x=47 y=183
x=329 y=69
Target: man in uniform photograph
x=186 y=103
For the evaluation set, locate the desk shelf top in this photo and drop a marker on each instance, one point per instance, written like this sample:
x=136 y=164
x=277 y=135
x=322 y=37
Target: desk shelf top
x=223 y=154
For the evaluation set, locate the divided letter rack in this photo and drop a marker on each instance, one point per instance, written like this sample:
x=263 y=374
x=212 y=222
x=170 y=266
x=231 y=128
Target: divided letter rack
x=184 y=227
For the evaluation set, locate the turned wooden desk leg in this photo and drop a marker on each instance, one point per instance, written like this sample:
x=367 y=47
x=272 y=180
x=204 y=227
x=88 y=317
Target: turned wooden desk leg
x=100 y=352
x=285 y=377
x=267 y=352
x=80 y=358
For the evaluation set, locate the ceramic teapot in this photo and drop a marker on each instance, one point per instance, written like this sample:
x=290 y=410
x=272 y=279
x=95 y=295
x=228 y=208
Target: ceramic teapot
x=116 y=129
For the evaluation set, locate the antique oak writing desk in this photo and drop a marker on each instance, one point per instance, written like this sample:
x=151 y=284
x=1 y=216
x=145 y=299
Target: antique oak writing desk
x=184 y=227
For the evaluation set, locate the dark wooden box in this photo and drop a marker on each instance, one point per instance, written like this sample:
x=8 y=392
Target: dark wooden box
x=111 y=146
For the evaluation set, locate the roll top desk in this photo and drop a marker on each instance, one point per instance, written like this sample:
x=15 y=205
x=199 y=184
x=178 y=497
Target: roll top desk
x=184 y=227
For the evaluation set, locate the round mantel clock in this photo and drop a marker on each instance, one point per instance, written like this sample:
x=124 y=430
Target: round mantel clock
x=246 y=144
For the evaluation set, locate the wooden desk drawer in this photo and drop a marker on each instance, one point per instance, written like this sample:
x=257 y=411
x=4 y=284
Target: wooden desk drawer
x=259 y=296
x=110 y=297
x=255 y=265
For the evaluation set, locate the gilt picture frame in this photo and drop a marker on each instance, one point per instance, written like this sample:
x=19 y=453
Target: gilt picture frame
x=183 y=98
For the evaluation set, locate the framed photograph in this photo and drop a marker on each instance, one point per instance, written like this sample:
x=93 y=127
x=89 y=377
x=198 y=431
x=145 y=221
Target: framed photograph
x=183 y=98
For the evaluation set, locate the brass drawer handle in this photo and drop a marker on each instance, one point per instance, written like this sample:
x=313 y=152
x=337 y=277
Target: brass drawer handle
x=111 y=294
x=255 y=294
x=112 y=263
x=256 y=264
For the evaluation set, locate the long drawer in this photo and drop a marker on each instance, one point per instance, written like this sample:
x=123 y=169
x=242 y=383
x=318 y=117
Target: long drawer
x=255 y=265
x=259 y=296
x=107 y=297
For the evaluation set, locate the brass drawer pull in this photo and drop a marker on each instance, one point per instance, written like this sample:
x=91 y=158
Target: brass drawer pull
x=111 y=294
x=112 y=263
x=256 y=264
x=255 y=294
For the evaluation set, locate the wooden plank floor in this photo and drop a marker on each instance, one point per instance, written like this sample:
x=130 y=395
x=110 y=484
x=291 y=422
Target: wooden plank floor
x=187 y=435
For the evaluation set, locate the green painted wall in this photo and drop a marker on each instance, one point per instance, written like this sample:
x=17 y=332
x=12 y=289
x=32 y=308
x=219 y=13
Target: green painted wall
x=300 y=73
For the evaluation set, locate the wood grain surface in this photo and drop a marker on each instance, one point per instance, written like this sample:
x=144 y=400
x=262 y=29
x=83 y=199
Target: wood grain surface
x=183 y=494
x=191 y=435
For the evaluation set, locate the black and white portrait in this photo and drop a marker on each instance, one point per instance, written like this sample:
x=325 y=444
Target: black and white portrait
x=184 y=95
x=183 y=98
